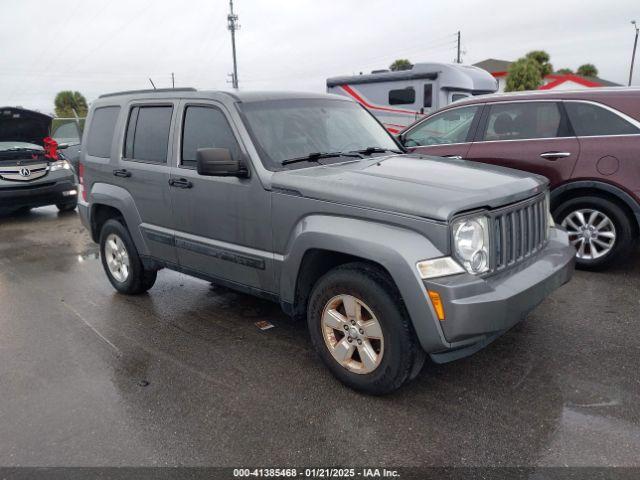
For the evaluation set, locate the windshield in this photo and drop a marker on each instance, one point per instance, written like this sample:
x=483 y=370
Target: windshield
x=288 y=129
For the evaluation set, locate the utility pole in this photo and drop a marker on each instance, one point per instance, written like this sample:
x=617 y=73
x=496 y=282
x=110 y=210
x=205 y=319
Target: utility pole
x=633 y=55
x=458 y=59
x=233 y=26
x=173 y=81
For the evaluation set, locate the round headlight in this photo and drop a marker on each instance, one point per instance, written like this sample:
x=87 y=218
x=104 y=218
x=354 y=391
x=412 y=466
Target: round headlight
x=471 y=244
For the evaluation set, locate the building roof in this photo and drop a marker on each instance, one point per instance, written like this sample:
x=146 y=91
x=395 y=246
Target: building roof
x=493 y=65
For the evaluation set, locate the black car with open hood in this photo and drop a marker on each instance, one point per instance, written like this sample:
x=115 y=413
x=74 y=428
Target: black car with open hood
x=32 y=172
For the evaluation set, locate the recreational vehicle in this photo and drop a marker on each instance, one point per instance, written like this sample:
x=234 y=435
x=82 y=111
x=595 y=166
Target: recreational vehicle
x=402 y=97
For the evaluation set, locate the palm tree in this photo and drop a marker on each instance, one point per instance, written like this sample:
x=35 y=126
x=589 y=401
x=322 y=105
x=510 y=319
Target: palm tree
x=400 y=64
x=587 y=70
x=70 y=104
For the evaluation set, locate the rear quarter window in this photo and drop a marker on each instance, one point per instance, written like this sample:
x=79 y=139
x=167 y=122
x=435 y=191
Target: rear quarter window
x=100 y=135
x=590 y=120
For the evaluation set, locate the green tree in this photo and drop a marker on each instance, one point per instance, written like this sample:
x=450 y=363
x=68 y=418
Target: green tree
x=524 y=74
x=565 y=71
x=542 y=59
x=400 y=64
x=70 y=104
x=587 y=70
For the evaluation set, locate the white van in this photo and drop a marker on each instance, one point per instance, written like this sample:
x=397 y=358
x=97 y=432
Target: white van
x=400 y=98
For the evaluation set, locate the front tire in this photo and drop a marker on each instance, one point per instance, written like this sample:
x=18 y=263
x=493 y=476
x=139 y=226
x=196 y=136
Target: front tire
x=600 y=230
x=121 y=261
x=360 y=329
x=67 y=207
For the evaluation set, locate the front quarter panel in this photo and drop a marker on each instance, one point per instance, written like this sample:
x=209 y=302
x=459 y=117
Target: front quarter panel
x=395 y=248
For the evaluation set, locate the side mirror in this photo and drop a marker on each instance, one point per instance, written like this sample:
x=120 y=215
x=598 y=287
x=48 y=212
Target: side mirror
x=218 y=162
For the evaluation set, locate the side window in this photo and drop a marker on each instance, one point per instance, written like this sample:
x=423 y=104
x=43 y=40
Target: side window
x=589 y=120
x=521 y=121
x=458 y=96
x=451 y=126
x=100 y=134
x=205 y=127
x=404 y=96
x=147 y=137
x=428 y=95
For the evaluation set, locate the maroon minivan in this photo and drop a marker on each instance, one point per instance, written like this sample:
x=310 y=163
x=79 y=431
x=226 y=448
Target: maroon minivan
x=587 y=143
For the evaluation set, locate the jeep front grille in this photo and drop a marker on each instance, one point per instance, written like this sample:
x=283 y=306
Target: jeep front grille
x=23 y=173
x=519 y=231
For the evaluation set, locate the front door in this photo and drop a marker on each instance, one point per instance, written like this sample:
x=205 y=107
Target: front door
x=222 y=224
x=530 y=136
x=445 y=134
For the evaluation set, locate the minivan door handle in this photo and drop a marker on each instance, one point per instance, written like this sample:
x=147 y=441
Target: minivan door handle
x=122 y=173
x=555 y=155
x=180 y=183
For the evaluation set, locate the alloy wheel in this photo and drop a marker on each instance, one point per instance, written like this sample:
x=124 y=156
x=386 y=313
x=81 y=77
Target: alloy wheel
x=353 y=334
x=117 y=257
x=591 y=232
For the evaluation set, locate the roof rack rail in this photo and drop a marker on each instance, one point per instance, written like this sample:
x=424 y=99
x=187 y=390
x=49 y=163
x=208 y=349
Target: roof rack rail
x=148 y=90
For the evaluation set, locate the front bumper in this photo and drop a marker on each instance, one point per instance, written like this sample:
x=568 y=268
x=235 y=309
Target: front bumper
x=21 y=195
x=478 y=310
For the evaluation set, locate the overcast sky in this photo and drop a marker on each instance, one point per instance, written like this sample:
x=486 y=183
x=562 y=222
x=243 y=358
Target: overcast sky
x=98 y=46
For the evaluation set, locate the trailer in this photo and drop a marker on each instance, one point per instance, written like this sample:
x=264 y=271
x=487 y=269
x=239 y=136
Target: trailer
x=399 y=98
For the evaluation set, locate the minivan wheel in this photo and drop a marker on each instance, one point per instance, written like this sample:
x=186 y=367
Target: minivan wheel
x=599 y=229
x=121 y=261
x=361 y=331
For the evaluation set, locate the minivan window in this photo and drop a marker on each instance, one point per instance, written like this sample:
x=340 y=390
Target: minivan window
x=524 y=120
x=100 y=135
x=404 y=96
x=589 y=120
x=205 y=127
x=450 y=126
x=147 y=137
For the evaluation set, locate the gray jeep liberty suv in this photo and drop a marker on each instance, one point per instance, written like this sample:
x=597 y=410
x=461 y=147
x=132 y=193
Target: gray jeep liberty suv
x=306 y=200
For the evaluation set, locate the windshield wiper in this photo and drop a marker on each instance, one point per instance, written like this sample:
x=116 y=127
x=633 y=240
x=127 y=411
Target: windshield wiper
x=315 y=156
x=370 y=150
x=21 y=149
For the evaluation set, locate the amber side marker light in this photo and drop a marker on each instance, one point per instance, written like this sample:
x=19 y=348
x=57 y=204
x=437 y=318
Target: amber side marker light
x=436 y=301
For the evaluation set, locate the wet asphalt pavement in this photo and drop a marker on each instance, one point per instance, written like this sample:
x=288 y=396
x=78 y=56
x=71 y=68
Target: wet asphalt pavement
x=182 y=376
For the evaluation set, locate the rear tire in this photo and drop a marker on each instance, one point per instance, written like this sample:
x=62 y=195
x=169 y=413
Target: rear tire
x=360 y=302
x=600 y=230
x=121 y=261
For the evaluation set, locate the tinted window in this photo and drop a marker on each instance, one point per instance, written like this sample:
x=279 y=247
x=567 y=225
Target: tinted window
x=148 y=133
x=458 y=96
x=100 y=134
x=519 y=121
x=206 y=127
x=428 y=95
x=589 y=120
x=405 y=96
x=451 y=126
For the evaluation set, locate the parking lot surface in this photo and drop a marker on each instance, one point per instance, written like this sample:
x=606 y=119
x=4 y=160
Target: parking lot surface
x=182 y=375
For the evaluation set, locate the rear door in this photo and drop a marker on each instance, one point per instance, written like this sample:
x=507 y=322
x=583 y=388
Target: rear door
x=533 y=136
x=144 y=172
x=447 y=134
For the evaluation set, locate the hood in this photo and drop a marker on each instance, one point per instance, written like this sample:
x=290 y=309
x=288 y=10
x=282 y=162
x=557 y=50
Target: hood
x=429 y=187
x=20 y=125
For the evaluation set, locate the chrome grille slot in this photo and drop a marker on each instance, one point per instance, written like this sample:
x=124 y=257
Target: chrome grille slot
x=23 y=173
x=519 y=231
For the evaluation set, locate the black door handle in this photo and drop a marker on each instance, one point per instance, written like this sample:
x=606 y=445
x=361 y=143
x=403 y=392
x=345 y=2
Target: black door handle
x=122 y=173
x=180 y=183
